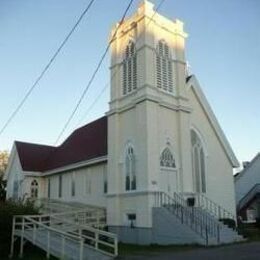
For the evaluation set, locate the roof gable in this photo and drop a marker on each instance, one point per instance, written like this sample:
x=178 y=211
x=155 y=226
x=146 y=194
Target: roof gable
x=193 y=83
x=33 y=156
x=248 y=167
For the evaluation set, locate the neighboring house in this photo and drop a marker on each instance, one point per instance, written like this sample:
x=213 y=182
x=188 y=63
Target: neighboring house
x=159 y=139
x=247 y=187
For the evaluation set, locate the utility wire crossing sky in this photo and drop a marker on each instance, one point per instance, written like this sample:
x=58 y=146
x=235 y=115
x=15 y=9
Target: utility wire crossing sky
x=223 y=50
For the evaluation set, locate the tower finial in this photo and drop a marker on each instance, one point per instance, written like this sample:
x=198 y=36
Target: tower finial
x=145 y=6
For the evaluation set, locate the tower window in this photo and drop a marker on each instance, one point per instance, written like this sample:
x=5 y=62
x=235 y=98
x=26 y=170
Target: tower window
x=164 y=70
x=130 y=178
x=129 y=69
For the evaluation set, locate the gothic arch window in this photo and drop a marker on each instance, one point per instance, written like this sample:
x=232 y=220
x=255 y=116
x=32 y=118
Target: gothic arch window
x=34 y=189
x=129 y=69
x=164 y=70
x=167 y=159
x=198 y=163
x=130 y=176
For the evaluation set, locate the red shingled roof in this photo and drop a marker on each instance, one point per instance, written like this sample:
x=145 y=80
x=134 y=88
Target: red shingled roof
x=33 y=156
x=85 y=143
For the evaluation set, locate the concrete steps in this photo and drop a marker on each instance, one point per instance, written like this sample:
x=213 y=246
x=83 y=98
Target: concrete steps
x=168 y=229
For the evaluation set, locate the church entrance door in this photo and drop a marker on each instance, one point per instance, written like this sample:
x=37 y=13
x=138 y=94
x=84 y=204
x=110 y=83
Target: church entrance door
x=168 y=181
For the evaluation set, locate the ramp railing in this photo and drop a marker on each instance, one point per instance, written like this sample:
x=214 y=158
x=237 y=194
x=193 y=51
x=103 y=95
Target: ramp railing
x=44 y=229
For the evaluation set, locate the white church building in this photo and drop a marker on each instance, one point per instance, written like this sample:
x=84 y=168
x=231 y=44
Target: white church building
x=158 y=162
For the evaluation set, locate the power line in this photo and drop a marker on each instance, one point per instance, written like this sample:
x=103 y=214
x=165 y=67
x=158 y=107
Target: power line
x=114 y=74
x=94 y=74
x=28 y=93
x=93 y=103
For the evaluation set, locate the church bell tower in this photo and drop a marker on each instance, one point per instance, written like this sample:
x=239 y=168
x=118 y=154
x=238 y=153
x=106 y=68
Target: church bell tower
x=148 y=105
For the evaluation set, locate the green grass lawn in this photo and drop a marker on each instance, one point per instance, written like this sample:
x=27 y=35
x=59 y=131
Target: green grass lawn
x=130 y=249
x=33 y=253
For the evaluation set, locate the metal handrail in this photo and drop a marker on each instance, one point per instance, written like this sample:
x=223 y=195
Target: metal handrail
x=202 y=224
x=36 y=223
x=213 y=208
x=90 y=218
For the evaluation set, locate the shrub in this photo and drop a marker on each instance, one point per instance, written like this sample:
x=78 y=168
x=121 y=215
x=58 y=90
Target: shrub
x=8 y=209
x=257 y=223
x=231 y=223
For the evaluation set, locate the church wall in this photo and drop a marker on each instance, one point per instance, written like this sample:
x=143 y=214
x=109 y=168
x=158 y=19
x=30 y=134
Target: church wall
x=140 y=127
x=219 y=171
x=163 y=129
x=89 y=185
x=130 y=128
x=15 y=173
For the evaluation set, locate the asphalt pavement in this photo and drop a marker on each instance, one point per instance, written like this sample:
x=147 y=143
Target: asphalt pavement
x=242 y=251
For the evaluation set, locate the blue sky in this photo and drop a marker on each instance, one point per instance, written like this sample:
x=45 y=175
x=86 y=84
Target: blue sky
x=223 y=50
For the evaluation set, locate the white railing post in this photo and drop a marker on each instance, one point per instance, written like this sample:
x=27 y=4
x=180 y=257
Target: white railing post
x=48 y=245
x=81 y=250
x=80 y=232
x=12 y=238
x=98 y=219
x=96 y=239
x=116 y=246
x=22 y=236
x=34 y=233
x=63 y=247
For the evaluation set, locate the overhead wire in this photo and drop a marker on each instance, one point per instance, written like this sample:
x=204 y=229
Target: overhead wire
x=94 y=74
x=38 y=79
x=116 y=71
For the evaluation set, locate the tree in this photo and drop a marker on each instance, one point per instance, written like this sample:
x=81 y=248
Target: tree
x=4 y=155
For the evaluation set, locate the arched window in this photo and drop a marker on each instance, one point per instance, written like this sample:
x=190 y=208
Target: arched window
x=16 y=188
x=130 y=180
x=129 y=69
x=164 y=71
x=167 y=159
x=198 y=163
x=60 y=186
x=34 y=189
x=49 y=188
x=73 y=188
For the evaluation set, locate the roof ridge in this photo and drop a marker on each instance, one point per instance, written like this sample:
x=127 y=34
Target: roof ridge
x=35 y=144
x=241 y=173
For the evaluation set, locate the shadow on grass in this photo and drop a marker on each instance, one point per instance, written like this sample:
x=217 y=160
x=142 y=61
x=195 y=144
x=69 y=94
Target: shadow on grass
x=30 y=252
x=131 y=249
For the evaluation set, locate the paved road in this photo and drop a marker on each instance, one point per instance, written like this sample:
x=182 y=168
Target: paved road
x=245 y=251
